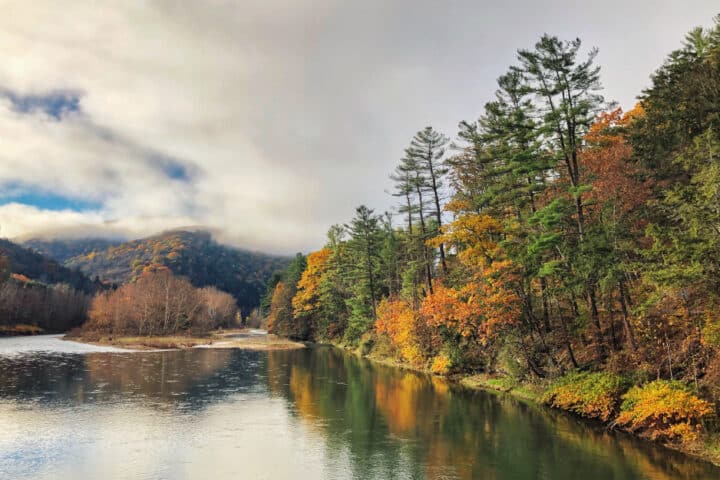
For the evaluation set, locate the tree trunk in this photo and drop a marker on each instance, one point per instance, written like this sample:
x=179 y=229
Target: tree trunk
x=626 y=317
x=423 y=231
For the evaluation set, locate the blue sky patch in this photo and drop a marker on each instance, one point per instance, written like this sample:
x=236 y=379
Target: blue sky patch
x=171 y=167
x=57 y=104
x=47 y=200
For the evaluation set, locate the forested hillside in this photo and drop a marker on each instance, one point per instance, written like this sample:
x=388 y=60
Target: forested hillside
x=38 y=294
x=64 y=249
x=33 y=265
x=194 y=255
x=555 y=237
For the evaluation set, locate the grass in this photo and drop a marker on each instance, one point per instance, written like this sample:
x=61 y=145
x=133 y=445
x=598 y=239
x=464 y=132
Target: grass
x=502 y=384
x=142 y=343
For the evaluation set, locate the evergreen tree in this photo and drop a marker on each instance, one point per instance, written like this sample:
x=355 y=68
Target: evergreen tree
x=364 y=247
x=427 y=149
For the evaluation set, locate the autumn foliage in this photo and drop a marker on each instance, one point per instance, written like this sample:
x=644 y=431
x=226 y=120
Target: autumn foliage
x=398 y=320
x=308 y=288
x=663 y=410
x=593 y=395
x=159 y=303
x=552 y=241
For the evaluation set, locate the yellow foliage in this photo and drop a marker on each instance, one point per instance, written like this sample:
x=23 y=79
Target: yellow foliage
x=441 y=365
x=308 y=288
x=472 y=234
x=397 y=319
x=663 y=410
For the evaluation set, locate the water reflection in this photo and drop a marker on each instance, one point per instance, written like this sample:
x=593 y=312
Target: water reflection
x=314 y=413
x=398 y=421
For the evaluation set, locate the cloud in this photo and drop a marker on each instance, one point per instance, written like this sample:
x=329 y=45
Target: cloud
x=266 y=120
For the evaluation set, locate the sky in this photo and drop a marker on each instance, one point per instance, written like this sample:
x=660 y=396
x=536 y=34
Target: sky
x=265 y=121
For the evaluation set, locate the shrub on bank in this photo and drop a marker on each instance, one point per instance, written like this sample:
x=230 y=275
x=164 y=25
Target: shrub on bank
x=592 y=395
x=663 y=410
x=441 y=365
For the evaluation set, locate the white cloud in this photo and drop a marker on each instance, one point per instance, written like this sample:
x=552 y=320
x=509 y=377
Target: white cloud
x=285 y=114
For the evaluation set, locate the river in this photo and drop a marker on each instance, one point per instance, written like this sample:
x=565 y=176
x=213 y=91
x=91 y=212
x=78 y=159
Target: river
x=71 y=411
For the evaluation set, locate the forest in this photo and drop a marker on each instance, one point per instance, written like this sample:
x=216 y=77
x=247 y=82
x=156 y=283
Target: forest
x=175 y=283
x=191 y=254
x=37 y=294
x=556 y=240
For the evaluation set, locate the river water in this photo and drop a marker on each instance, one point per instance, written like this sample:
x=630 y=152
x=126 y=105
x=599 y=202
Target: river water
x=70 y=411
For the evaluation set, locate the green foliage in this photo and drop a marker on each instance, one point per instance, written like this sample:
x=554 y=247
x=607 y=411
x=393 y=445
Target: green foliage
x=688 y=236
x=578 y=237
x=593 y=395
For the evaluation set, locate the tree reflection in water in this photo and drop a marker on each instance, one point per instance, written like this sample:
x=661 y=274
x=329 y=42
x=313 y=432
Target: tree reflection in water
x=313 y=413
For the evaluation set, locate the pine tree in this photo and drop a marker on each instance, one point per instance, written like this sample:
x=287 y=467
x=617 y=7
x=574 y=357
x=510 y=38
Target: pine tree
x=427 y=149
x=364 y=248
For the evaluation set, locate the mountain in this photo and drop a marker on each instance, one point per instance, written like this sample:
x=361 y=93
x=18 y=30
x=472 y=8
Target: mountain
x=193 y=254
x=64 y=249
x=33 y=265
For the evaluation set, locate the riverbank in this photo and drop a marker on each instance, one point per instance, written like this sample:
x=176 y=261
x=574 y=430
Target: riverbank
x=707 y=447
x=20 y=330
x=226 y=339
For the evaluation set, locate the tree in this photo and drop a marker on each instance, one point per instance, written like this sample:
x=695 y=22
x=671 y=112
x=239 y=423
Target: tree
x=427 y=149
x=307 y=308
x=280 y=319
x=159 y=303
x=280 y=316
x=364 y=248
x=566 y=87
x=412 y=183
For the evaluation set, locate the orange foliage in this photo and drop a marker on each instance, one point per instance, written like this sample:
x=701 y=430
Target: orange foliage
x=159 y=303
x=607 y=160
x=480 y=308
x=487 y=301
x=398 y=320
x=20 y=278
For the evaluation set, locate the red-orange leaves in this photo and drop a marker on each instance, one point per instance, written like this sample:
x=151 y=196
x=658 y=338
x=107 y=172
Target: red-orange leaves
x=487 y=300
x=480 y=308
x=607 y=161
x=454 y=309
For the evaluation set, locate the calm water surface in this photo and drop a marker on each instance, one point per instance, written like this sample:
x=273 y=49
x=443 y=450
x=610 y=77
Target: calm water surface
x=70 y=412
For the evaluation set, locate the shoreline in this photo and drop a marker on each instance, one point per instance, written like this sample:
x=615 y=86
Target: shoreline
x=242 y=339
x=708 y=450
x=19 y=330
